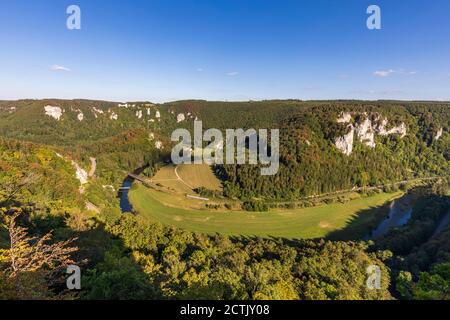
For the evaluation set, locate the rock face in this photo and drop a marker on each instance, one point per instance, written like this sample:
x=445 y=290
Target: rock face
x=97 y=111
x=345 y=143
x=81 y=174
x=181 y=118
x=439 y=134
x=54 y=112
x=365 y=131
x=139 y=114
x=158 y=115
x=401 y=130
x=345 y=117
x=381 y=128
x=80 y=116
x=158 y=145
x=113 y=116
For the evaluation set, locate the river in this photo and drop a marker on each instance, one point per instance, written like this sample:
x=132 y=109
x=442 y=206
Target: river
x=125 y=204
x=399 y=214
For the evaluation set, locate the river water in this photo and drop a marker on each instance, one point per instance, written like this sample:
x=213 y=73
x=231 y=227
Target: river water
x=125 y=204
x=399 y=214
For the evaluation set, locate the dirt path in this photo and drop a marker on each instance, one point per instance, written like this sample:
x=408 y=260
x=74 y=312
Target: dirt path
x=179 y=178
x=93 y=167
x=372 y=188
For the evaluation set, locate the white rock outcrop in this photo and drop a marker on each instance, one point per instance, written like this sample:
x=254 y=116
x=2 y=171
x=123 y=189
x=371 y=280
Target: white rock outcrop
x=54 y=112
x=439 y=134
x=98 y=110
x=113 y=116
x=345 y=143
x=139 y=114
x=365 y=133
x=181 y=118
x=345 y=117
x=381 y=128
x=81 y=174
x=401 y=130
x=80 y=116
x=158 y=145
x=158 y=115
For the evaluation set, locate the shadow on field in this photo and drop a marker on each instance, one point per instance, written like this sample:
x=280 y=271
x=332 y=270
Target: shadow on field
x=361 y=224
x=358 y=227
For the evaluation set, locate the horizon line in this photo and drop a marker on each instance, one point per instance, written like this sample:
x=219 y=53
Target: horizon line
x=228 y=101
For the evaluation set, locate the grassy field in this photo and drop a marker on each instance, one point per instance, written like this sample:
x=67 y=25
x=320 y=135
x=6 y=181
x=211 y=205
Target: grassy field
x=305 y=223
x=183 y=179
x=199 y=175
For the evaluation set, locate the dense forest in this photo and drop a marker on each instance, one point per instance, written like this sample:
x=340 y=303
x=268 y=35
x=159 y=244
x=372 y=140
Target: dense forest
x=43 y=206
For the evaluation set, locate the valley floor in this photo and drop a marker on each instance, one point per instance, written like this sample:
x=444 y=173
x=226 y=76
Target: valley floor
x=305 y=223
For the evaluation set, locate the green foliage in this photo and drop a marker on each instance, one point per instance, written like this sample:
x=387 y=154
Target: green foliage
x=207 y=193
x=256 y=206
x=434 y=285
x=184 y=265
x=129 y=257
x=311 y=165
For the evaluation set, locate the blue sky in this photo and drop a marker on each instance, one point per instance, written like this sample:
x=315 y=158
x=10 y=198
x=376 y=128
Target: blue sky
x=162 y=50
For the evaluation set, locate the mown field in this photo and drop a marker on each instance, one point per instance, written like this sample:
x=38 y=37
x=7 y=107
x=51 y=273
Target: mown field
x=184 y=178
x=306 y=223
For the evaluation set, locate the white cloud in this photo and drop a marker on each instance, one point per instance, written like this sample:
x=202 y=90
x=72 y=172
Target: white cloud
x=387 y=73
x=383 y=73
x=59 y=68
x=232 y=74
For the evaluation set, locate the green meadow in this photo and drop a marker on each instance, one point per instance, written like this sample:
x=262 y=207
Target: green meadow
x=305 y=223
